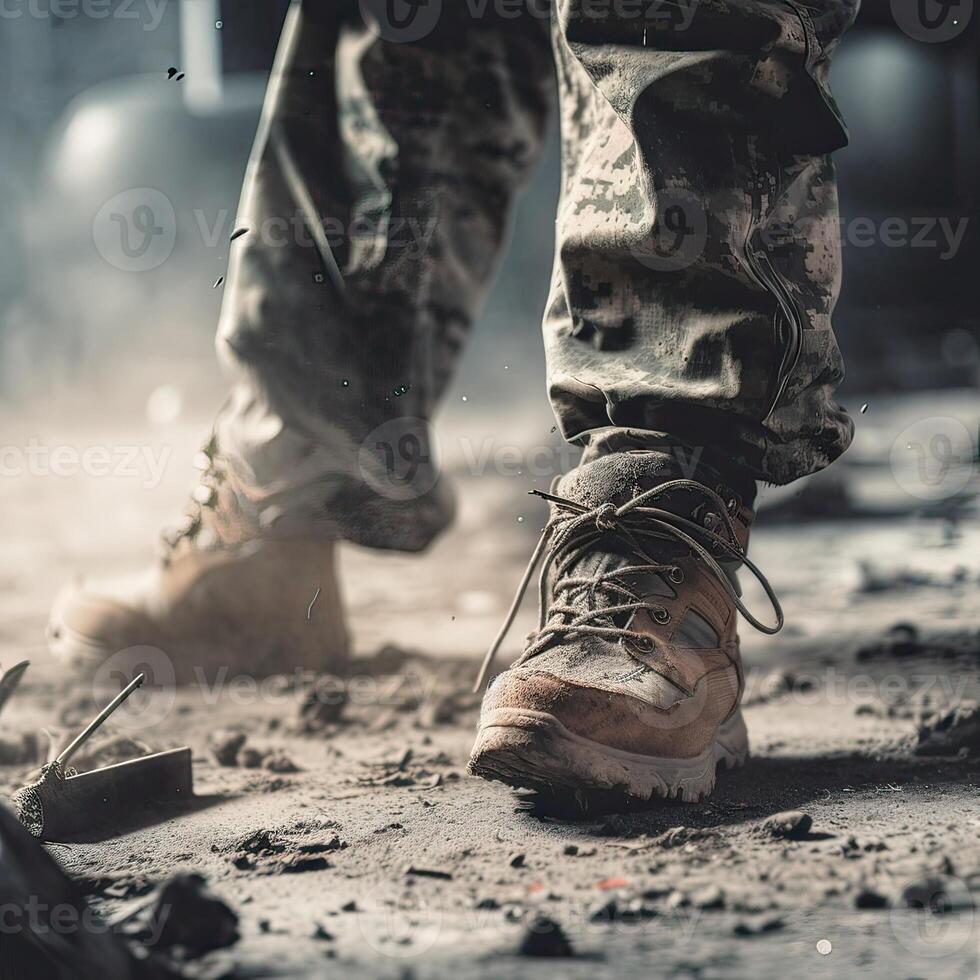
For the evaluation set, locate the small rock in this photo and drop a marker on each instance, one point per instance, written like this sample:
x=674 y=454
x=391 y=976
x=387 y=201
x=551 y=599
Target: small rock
x=184 y=913
x=250 y=758
x=517 y=861
x=756 y=925
x=710 y=897
x=545 y=938
x=225 y=746
x=868 y=898
x=259 y=842
x=789 y=825
x=323 y=704
x=955 y=731
x=428 y=873
x=571 y=850
x=319 y=932
x=278 y=762
x=301 y=864
x=487 y=904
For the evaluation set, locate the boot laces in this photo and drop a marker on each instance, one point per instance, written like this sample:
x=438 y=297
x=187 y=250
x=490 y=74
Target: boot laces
x=575 y=528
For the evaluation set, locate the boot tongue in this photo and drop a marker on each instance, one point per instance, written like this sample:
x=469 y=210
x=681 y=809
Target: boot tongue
x=617 y=478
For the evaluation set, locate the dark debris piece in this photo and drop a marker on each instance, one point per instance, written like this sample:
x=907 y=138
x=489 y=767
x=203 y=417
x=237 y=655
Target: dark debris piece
x=187 y=916
x=789 y=825
x=545 y=938
x=958 y=730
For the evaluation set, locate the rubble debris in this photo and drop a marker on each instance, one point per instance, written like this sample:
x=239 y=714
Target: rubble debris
x=779 y=683
x=280 y=762
x=19 y=750
x=869 y=898
x=225 y=746
x=620 y=911
x=323 y=704
x=903 y=640
x=709 y=898
x=545 y=938
x=758 y=924
x=956 y=731
x=412 y=871
x=259 y=842
x=680 y=836
x=300 y=863
x=789 y=825
x=251 y=758
x=186 y=919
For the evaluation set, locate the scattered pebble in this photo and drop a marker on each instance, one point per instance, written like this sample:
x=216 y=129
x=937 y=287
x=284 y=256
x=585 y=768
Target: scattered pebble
x=956 y=731
x=708 y=898
x=323 y=704
x=757 y=925
x=517 y=861
x=279 y=762
x=225 y=746
x=428 y=873
x=185 y=914
x=545 y=938
x=251 y=758
x=789 y=825
x=868 y=898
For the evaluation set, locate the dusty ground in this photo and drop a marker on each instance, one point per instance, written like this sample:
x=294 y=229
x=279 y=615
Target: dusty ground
x=384 y=859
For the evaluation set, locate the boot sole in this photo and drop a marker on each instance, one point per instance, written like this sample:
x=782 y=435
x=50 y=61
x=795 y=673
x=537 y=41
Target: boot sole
x=534 y=750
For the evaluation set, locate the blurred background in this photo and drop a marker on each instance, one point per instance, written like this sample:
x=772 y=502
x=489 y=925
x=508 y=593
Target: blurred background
x=91 y=113
x=103 y=99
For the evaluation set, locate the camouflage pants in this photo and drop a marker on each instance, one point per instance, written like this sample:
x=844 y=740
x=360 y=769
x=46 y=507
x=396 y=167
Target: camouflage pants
x=697 y=261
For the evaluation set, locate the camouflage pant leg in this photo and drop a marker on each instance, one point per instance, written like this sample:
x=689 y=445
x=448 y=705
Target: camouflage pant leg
x=698 y=240
x=375 y=204
x=697 y=266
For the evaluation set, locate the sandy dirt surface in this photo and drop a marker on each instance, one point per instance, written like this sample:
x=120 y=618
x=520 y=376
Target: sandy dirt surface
x=370 y=852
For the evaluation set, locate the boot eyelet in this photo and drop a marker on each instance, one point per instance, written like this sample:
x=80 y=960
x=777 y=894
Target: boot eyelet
x=733 y=506
x=676 y=575
x=644 y=644
x=661 y=615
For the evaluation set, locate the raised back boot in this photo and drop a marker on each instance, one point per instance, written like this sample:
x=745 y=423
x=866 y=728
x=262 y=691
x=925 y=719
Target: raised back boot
x=223 y=596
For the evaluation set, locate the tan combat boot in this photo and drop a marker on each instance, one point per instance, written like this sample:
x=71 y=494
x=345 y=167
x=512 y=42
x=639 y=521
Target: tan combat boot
x=222 y=597
x=633 y=681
